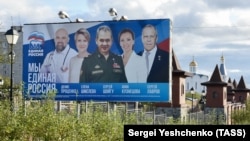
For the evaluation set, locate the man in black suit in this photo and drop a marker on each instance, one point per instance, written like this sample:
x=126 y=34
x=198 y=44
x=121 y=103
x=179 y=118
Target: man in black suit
x=157 y=60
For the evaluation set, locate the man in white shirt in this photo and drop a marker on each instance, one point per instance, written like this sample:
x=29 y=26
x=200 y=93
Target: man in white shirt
x=56 y=63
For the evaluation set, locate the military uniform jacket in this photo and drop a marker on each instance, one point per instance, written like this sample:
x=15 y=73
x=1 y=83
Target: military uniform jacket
x=96 y=68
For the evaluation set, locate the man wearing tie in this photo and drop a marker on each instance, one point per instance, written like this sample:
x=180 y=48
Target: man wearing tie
x=157 y=60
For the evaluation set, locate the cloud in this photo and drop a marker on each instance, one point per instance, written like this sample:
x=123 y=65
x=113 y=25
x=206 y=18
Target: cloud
x=234 y=70
x=228 y=4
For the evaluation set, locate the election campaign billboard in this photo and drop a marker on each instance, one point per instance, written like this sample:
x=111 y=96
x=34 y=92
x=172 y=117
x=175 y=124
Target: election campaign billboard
x=98 y=60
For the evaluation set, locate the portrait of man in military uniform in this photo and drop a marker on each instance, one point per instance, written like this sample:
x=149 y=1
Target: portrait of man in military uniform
x=103 y=65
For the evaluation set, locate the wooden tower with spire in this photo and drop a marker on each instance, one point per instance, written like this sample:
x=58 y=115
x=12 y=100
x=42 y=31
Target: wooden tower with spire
x=241 y=91
x=230 y=91
x=216 y=96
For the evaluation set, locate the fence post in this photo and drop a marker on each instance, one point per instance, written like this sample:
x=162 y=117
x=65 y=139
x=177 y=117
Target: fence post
x=78 y=108
x=204 y=117
x=86 y=106
x=154 y=116
x=165 y=117
x=59 y=106
x=197 y=117
x=108 y=107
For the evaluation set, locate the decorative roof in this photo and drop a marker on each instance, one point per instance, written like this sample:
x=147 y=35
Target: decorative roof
x=175 y=62
x=230 y=85
x=242 y=86
x=222 y=66
x=229 y=80
x=235 y=83
x=193 y=63
x=216 y=78
x=177 y=68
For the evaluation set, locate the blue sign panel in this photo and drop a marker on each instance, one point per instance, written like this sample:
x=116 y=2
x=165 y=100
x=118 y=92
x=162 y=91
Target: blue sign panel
x=106 y=61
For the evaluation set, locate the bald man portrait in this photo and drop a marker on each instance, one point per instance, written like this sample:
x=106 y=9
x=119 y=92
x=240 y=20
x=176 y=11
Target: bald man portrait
x=56 y=62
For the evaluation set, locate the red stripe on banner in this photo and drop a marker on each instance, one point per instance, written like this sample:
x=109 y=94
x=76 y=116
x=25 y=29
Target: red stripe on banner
x=164 y=45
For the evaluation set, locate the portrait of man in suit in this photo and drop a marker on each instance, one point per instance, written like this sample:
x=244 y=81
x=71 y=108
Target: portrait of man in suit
x=157 y=60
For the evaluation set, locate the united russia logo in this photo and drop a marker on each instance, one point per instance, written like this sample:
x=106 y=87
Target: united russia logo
x=36 y=42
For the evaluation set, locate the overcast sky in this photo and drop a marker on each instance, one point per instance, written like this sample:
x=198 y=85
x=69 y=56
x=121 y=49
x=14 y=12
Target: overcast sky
x=203 y=29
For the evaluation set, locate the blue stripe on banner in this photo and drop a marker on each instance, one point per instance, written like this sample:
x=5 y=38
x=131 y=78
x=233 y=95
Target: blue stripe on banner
x=153 y=92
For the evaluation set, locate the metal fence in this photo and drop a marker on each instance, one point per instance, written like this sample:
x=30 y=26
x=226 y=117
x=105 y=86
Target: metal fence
x=151 y=117
x=205 y=118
